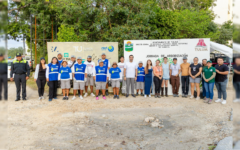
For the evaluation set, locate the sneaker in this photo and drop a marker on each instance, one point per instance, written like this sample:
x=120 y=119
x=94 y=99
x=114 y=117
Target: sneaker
x=97 y=98
x=218 y=100
x=224 y=102
x=74 y=97
x=155 y=96
x=198 y=98
x=106 y=92
x=81 y=97
x=127 y=95
x=206 y=100
x=64 y=98
x=86 y=94
x=67 y=98
x=104 y=97
x=210 y=101
x=149 y=95
x=55 y=97
x=142 y=94
x=40 y=98
x=50 y=100
x=133 y=95
x=117 y=97
x=137 y=94
x=183 y=95
x=92 y=94
x=191 y=97
x=236 y=100
x=145 y=96
x=159 y=96
x=176 y=95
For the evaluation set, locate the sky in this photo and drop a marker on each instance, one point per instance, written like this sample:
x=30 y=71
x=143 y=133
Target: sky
x=221 y=9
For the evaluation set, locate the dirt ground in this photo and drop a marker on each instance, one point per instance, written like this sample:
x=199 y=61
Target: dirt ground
x=116 y=124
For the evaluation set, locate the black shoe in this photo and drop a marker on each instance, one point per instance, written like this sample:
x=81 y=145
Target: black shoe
x=18 y=99
x=127 y=95
x=133 y=95
x=24 y=99
x=142 y=94
x=107 y=93
x=64 y=98
x=137 y=94
x=117 y=97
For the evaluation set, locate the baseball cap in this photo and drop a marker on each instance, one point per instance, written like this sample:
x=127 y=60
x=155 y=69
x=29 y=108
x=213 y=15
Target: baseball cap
x=209 y=61
x=174 y=58
x=59 y=54
x=18 y=55
x=72 y=56
x=79 y=57
x=100 y=61
x=140 y=62
x=184 y=58
x=42 y=58
x=103 y=54
x=89 y=56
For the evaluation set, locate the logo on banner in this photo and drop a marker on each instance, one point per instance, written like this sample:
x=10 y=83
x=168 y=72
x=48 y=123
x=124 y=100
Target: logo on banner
x=201 y=46
x=170 y=60
x=110 y=48
x=53 y=49
x=129 y=46
x=66 y=55
x=78 y=50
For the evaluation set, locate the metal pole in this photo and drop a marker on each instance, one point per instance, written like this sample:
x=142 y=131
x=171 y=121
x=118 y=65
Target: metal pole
x=31 y=40
x=35 y=57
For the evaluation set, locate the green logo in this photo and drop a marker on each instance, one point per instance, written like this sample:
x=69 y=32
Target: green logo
x=76 y=69
x=66 y=55
x=112 y=71
x=52 y=69
x=99 y=71
x=129 y=46
x=61 y=71
x=170 y=60
x=138 y=71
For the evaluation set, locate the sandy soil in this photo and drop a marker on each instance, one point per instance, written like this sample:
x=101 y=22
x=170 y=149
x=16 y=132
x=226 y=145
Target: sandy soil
x=116 y=124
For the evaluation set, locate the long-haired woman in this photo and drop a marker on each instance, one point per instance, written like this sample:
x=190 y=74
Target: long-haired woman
x=148 y=78
x=40 y=77
x=166 y=76
x=158 y=74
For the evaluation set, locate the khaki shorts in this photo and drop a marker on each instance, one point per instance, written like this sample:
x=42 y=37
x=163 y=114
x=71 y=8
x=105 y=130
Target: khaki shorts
x=139 y=85
x=115 y=83
x=89 y=81
x=78 y=85
x=101 y=85
x=65 y=84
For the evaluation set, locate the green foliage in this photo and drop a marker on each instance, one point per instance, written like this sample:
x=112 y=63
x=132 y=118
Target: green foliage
x=226 y=33
x=13 y=51
x=236 y=33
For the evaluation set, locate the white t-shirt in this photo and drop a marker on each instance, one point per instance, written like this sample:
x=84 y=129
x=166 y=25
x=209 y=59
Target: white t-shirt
x=130 y=69
x=90 y=67
x=175 y=69
x=121 y=66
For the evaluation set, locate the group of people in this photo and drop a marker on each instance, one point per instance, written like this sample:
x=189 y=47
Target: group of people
x=124 y=75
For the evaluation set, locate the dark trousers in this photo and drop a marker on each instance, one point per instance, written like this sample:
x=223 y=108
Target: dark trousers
x=20 y=79
x=41 y=84
x=175 y=81
x=3 y=84
x=185 y=84
x=203 y=89
x=158 y=84
x=52 y=89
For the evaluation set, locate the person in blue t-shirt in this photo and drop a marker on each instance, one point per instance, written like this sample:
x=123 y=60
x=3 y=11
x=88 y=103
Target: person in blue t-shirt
x=140 y=78
x=115 y=78
x=52 y=78
x=100 y=75
x=65 y=75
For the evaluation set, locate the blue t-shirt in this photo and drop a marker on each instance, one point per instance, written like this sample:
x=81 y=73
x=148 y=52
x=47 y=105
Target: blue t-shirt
x=53 y=72
x=65 y=72
x=141 y=74
x=115 y=73
x=101 y=74
x=60 y=62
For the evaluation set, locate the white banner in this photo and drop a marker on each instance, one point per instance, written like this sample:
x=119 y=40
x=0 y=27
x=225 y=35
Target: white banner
x=142 y=50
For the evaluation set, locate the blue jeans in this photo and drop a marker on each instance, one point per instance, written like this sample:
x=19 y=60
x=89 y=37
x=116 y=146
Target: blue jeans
x=237 y=89
x=203 y=87
x=221 y=88
x=209 y=89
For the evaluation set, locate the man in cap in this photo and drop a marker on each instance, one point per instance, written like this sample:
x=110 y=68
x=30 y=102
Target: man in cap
x=79 y=72
x=60 y=59
x=106 y=63
x=140 y=78
x=21 y=71
x=185 y=77
x=90 y=70
x=175 y=70
x=3 y=76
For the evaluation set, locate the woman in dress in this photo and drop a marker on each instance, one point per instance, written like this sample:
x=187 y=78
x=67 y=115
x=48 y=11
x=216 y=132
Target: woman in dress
x=166 y=76
x=148 y=78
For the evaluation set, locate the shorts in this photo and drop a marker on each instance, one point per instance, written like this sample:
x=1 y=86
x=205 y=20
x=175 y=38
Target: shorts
x=165 y=78
x=115 y=83
x=101 y=85
x=78 y=85
x=196 y=80
x=89 y=81
x=65 y=84
x=139 y=85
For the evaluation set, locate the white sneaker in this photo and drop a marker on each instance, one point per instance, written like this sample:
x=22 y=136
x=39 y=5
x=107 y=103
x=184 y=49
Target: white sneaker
x=74 y=97
x=218 y=100
x=224 y=102
x=191 y=97
x=81 y=97
x=149 y=96
x=92 y=95
x=86 y=94
x=40 y=98
x=145 y=96
x=198 y=98
x=236 y=100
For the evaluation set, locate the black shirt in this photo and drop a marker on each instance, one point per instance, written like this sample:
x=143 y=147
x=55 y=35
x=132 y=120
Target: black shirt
x=220 y=77
x=195 y=69
x=236 y=77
